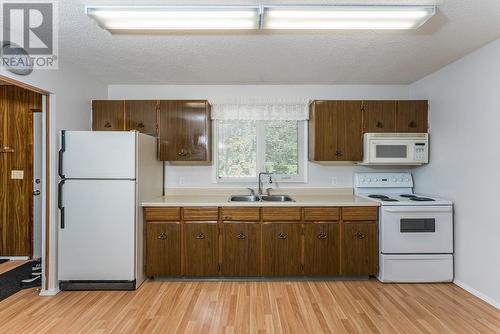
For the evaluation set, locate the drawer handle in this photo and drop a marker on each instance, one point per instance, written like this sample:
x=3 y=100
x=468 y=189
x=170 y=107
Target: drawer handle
x=322 y=236
x=107 y=125
x=227 y=217
x=162 y=236
x=241 y=236
x=380 y=125
x=282 y=236
x=412 y=124
x=360 y=236
x=200 y=236
x=140 y=125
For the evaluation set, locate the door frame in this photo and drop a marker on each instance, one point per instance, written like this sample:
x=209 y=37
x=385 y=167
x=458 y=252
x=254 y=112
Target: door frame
x=46 y=175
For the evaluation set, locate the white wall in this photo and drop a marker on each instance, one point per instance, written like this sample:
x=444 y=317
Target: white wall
x=72 y=91
x=201 y=177
x=464 y=118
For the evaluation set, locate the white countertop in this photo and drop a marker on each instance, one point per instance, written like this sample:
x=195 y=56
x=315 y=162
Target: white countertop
x=223 y=200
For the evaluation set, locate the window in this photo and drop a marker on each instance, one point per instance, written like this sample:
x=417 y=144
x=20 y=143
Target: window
x=246 y=147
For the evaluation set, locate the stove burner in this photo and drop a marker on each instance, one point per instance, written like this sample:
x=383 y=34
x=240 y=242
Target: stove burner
x=422 y=199
x=408 y=196
x=383 y=198
x=388 y=199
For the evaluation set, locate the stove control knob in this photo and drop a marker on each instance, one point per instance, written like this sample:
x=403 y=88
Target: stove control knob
x=375 y=180
x=401 y=180
x=394 y=180
x=369 y=180
x=363 y=179
x=407 y=180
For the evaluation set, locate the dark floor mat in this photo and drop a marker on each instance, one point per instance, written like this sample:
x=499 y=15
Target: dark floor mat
x=3 y=260
x=10 y=282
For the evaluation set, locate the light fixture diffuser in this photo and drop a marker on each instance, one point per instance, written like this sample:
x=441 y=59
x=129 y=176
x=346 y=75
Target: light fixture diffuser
x=346 y=17
x=159 y=18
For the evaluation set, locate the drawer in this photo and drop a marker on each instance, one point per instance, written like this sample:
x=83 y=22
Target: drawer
x=240 y=214
x=162 y=214
x=283 y=214
x=359 y=213
x=201 y=213
x=321 y=214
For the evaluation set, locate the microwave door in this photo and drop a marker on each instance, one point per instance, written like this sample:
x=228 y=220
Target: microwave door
x=391 y=151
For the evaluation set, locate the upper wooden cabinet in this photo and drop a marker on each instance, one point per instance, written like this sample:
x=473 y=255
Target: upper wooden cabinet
x=141 y=115
x=185 y=131
x=335 y=131
x=108 y=115
x=412 y=116
x=379 y=116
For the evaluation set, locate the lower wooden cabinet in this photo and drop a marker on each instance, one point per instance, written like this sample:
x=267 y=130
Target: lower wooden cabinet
x=163 y=249
x=281 y=249
x=241 y=249
x=360 y=251
x=269 y=242
x=200 y=248
x=322 y=249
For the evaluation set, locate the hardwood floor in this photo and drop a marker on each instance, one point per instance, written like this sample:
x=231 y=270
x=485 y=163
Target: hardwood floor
x=254 y=307
x=9 y=265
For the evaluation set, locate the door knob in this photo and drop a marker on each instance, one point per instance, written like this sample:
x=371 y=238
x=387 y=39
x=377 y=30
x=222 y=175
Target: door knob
x=36 y=193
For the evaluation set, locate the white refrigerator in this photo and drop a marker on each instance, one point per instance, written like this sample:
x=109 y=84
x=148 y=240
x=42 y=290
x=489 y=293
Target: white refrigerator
x=104 y=178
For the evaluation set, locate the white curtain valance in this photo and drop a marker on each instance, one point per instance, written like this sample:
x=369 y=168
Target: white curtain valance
x=261 y=111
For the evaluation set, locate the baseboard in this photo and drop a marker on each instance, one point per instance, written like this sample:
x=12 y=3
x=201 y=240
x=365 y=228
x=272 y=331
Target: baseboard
x=478 y=294
x=15 y=258
x=50 y=292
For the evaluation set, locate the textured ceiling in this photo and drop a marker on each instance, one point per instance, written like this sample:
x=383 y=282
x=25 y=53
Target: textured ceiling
x=326 y=57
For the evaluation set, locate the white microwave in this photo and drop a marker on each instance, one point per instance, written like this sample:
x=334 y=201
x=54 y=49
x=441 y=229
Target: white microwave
x=395 y=148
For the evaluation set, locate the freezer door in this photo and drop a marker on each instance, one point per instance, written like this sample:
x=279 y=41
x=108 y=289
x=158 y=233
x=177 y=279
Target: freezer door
x=97 y=155
x=97 y=241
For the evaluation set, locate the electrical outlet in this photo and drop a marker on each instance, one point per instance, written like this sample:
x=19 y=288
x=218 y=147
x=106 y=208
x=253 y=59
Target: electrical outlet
x=182 y=180
x=335 y=180
x=17 y=174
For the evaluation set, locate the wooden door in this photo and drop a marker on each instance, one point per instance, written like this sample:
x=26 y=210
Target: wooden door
x=185 y=131
x=16 y=155
x=360 y=254
x=412 y=116
x=379 y=116
x=350 y=132
x=281 y=249
x=240 y=248
x=200 y=248
x=321 y=249
x=141 y=115
x=108 y=115
x=163 y=249
x=323 y=124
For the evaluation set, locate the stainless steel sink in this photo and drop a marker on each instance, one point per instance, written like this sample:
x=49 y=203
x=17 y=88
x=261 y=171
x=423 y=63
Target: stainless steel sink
x=244 y=198
x=276 y=198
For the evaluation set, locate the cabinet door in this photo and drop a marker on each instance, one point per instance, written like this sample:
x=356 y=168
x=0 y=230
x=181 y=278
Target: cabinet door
x=360 y=253
x=240 y=248
x=141 y=116
x=323 y=130
x=163 y=249
x=321 y=249
x=200 y=248
x=185 y=131
x=108 y=115
x=412 y=116
x=379 y=116
x=350 y=132
x=281 y=249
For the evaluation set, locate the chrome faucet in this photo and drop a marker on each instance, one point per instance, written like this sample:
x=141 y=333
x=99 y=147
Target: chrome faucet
x=260 y=180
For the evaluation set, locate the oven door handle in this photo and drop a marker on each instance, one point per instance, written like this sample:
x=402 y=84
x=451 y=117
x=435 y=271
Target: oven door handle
x=427 y=209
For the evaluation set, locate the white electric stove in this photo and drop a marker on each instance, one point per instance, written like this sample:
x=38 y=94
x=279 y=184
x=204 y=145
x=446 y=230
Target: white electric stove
x=415 y=231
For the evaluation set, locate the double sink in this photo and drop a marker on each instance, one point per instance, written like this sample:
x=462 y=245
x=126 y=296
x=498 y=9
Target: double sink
x=263 y=198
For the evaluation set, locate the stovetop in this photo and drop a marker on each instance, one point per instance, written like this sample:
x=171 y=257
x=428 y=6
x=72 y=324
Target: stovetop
x=402 y=199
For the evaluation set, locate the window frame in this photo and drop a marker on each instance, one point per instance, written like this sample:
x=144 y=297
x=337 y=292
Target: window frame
x=302 y=136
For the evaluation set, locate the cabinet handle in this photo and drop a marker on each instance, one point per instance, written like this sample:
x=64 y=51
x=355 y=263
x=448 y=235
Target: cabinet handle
x=241 y=236
x=360 y=236
x=282 y=236
x=379 y=124
x=226 y=217
x=182 y=153
x=162 y=236
x=412 y=124
x=140 y=125
x=200 y=236
x=338 y=153
x=107 y=125
x=322 y=236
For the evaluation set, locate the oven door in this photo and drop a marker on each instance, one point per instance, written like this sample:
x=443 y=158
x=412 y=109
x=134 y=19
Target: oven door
x=391 y=151
x=416 y=230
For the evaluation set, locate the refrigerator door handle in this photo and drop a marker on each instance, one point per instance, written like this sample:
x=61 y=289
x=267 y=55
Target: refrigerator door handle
x=61 y=153
x=60 y=202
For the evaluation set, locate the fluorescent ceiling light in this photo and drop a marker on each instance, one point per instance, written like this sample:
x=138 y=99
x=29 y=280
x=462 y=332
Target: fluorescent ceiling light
x=346 y=17
x=153 y=18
